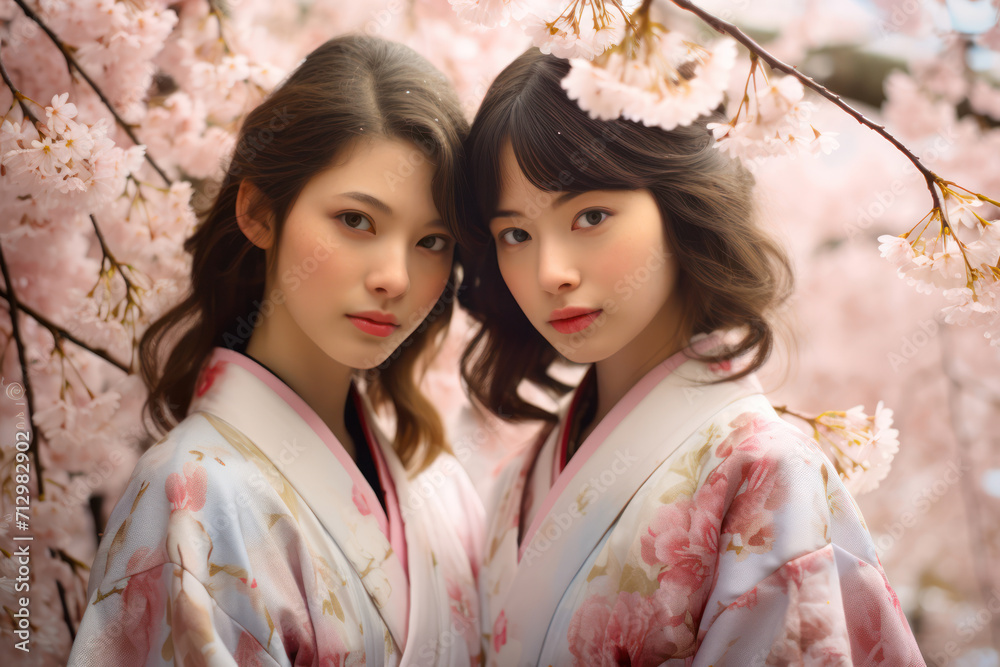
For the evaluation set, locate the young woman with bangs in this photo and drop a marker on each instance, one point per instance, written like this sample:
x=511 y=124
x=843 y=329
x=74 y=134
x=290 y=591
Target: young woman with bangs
x=276 y=523
x=668 y=516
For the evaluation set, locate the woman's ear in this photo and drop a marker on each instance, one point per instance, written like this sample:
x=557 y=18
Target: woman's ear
x=255 y=225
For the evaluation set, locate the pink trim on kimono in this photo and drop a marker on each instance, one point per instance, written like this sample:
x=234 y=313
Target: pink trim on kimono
x=564 y=428
x=593 y=442
x=396 y=532
x=310 y=417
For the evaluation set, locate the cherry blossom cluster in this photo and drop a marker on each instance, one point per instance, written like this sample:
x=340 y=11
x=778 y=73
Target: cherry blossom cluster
x=65 y=162
x=623 y=64
x=934 y=257
x=860 y=446
x=642 y=82
x=771 y=119
x=113 y=115
x=626 y=65
x=579 y=29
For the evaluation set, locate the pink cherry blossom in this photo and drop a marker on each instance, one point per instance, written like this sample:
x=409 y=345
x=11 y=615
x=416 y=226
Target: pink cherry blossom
x=187 y=493
x=490 y=13
x=584 y=31
x=500 y=631
x=648 y=88
x=360 y=501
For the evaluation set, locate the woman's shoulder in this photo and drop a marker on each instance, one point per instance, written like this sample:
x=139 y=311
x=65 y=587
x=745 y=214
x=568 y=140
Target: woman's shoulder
x=195 y=491
x=195 y=444
x=750 y=428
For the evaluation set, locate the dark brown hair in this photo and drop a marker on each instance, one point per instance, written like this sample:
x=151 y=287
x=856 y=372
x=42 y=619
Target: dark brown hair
x=731 y=274
x=348 y=88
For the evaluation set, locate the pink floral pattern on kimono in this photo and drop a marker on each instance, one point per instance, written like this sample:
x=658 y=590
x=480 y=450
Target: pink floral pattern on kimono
x=208 y=378
x=142 y=604
x=187 y=493
x=225 y=548
x=810 y=634
x=360 y=501
x=631 y=630
x=731 y=511
x=500 y=632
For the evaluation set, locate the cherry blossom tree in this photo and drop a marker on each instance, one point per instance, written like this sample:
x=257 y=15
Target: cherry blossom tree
x=871 y=127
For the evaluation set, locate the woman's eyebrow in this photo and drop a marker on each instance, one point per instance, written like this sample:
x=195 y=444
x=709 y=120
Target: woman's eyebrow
x=374 y=202
x=558 y=201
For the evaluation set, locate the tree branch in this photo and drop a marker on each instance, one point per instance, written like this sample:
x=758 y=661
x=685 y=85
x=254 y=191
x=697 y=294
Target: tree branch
x=22 y=359
x=110 y=258
x=60 y=333
x=727 y=28
x=18 y=95
x=75 y=65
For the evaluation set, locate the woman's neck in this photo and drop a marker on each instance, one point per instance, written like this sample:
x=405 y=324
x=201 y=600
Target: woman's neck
x=318 y=380
x=617 y=374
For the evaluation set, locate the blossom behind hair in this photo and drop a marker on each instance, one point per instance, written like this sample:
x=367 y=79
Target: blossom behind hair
x=731 y=274
x=349 y=88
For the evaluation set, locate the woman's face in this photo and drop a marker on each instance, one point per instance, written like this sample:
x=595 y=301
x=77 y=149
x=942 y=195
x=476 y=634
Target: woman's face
x=592 y=272
x=363 y=256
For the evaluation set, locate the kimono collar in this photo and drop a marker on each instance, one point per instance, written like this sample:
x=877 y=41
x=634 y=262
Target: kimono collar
x=262 y=408
x=642 y=430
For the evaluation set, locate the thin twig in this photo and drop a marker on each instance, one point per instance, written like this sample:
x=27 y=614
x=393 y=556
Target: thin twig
x=60 y=333
x=100 y=93
x=18 y=95
x=106 y=251
x=727 y=28
x=218 y=10
x=22 y=358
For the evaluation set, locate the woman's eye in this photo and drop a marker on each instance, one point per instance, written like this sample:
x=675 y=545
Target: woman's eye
x=514 y=236
x=591 y=218
x=435 y=243
x=356 y=221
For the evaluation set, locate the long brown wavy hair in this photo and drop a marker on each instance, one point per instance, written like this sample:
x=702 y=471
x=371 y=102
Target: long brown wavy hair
x=732 y=275
x=350 y=87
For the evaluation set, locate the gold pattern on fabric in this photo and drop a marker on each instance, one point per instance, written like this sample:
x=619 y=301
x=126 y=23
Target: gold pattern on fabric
x=250 y=452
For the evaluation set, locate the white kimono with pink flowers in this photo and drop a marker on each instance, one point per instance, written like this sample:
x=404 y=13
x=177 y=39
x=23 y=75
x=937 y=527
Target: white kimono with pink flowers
x=692 y=527
x=248 y=536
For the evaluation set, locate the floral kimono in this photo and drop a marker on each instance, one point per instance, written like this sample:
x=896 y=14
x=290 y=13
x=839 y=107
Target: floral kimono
x=692 y=527
x=248 y=536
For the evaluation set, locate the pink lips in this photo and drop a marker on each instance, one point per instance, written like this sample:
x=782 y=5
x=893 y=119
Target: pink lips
x=374 y=322
x=572 y=320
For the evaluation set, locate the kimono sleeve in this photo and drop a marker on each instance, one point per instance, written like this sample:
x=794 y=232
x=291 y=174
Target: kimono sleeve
x=152 y=596
x=798 y=578
x=162 y=616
